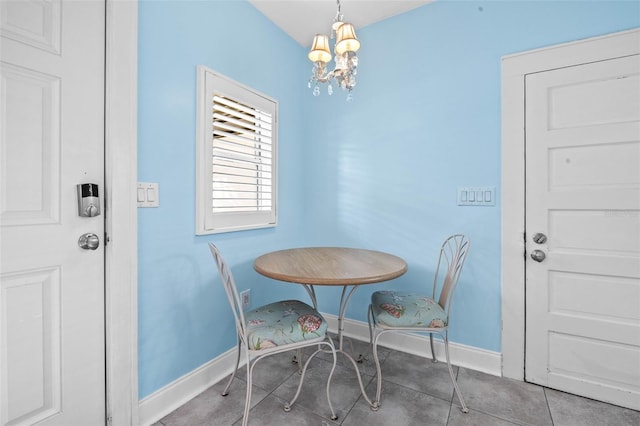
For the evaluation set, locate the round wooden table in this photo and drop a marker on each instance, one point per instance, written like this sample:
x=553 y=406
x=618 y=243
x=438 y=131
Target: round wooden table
x=332 y=266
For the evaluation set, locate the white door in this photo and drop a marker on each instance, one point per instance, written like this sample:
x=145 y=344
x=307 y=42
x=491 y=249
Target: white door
x=52 y=356
x=583 y=194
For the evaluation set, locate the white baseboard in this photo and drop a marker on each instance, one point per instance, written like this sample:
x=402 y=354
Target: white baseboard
x=167 y=399
x=170 y=397
x=461 y=355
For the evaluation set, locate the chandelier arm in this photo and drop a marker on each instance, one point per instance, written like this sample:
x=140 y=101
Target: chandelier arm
x=321 y=74
x=323 y=78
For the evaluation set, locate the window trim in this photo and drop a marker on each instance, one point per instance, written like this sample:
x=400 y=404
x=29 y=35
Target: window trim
x=211 y=82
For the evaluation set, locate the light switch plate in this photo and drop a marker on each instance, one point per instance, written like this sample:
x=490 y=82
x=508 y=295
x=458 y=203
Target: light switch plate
x=148 y=194
x=477 y=196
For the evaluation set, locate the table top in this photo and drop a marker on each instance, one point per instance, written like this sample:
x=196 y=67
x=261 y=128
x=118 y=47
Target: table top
x=330 y=266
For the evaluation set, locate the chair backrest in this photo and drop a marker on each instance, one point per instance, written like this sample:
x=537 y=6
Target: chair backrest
x=452 y=256
x=230 y=288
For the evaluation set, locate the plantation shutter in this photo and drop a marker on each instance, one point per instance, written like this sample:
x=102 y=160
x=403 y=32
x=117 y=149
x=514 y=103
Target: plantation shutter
x=241 y=140
x=242 y=157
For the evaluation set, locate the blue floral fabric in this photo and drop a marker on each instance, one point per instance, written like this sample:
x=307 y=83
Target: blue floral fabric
x=402 y=309
x=282 y=323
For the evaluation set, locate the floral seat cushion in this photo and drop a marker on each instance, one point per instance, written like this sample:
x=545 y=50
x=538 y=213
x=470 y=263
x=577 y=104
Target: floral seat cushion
x=282 y=323
x=403 y=309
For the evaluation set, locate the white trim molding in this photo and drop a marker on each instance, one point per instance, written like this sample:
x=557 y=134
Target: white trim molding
x=172 y=396
x=514 y=70
x=121 y=272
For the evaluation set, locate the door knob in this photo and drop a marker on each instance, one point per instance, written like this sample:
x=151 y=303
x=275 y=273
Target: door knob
x=89 y=241
x=539 y=238
x=538 y=255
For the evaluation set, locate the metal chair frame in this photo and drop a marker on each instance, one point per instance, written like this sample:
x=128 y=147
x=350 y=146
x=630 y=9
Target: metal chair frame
x=452 y=256
x=253 y=356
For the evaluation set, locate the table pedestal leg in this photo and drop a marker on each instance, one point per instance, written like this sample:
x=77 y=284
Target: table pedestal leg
x=344 y=302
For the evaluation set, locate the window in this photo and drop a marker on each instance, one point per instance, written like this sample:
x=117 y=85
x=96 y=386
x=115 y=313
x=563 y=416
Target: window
x=236 y=165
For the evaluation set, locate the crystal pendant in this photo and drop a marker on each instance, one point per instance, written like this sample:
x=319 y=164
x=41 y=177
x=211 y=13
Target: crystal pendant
x=350 y=97
x=316 y=91
x=330 y=89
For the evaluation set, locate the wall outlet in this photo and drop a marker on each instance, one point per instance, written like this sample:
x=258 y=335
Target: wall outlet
x=245 y=298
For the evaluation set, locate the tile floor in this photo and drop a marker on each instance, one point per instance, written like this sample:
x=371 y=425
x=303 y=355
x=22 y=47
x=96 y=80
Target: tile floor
x=415 y=392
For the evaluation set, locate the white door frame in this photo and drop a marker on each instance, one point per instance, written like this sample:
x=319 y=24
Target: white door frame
x=121 y=252
x=514 y=69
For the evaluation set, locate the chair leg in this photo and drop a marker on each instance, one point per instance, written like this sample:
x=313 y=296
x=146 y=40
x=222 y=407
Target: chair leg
x=433 y=351
x=225 y=392
x=371 y=326
x=374 y=348
x=298 y=360
x=247 y=401
x=361 y=357
x=373 y=341
x=453 y=378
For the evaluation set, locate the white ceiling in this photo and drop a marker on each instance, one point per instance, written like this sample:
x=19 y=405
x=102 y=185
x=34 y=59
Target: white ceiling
x=302 y=19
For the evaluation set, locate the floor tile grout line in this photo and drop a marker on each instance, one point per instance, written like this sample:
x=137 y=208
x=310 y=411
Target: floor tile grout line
x=492 y=415
x=546 y=400
x=284 y=401
x=451 y=402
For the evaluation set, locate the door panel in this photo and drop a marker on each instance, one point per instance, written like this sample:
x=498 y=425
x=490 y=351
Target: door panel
x=32 y=322
x=598 y=166
x=31 y=117
x=52 y=357
x=583 y=192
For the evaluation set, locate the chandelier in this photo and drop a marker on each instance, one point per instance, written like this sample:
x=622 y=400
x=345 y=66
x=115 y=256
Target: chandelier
x=346 y=60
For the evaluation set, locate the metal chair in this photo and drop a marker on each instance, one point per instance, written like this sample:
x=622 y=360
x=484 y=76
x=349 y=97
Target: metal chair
x=398 y=311
x=271 y=329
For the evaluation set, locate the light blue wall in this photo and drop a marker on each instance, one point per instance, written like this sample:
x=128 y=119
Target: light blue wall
x=184 y=318
x=426 y=119
x=378 y=173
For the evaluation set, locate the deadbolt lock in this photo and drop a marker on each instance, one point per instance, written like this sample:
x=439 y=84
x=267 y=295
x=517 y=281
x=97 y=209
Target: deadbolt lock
x=539 y=238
